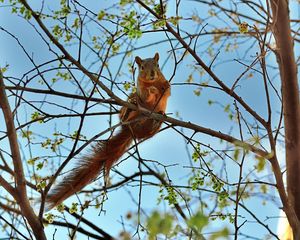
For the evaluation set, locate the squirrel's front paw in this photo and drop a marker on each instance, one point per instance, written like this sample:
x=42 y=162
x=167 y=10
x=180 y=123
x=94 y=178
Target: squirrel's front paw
x=152 y=90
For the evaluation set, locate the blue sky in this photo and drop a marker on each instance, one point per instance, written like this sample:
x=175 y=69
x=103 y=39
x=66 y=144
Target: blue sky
x=166 y=147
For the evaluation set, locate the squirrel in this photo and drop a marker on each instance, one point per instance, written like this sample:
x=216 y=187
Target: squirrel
x=152 y=93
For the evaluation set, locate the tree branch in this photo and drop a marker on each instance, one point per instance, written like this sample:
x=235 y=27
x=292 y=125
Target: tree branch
x=8 y=187
x=291 y=106
x=20 y=180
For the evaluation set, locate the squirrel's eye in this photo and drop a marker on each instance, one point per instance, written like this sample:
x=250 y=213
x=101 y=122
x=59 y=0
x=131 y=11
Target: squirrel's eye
x=142 y=67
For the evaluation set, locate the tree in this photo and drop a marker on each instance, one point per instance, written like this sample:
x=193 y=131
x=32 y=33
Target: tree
x=66 y=69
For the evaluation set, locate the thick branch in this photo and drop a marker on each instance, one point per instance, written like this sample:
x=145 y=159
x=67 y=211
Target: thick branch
x=214 y=133
x=8 y=187
x=291 y=107
x=20 y=180
x=60 y=94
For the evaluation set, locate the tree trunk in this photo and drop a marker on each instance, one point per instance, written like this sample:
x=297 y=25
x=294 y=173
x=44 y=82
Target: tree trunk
x=290 y=97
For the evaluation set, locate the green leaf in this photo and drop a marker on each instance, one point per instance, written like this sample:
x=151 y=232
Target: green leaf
x=227 y=108
x=40 y=165
x=217 y=185
x=26 y=134
x=131 y=25
x=160 y=10
x=196 y=153
x=210 y=102
x=243 y=27
x=37 y=116
x=46 y=143
x=127 y=86
x=196 y=182
x=76 y=135
x=198 y=221
x=159 y=224
x=28 y=14
x=73 y=208
x=264 y=188
x=41 y=185
x=174 y=20
x=4 y=69
x=101 y=15
x=124 y=2
x=260 y=166
x=197 y=92
x=190 y=79
x=75 y=23
x=31 y=161
x=68 y=37
x=236 y=154
x=22 y=9
x=223 y=196
x=221 y=234
x=159 y=24
x=172 y=195
x=49 y=217
x=60 y=207
x=115 y=48
x=57 y=31
x=64 y=75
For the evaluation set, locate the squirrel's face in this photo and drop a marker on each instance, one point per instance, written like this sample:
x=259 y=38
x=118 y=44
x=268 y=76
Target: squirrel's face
x=148 y=68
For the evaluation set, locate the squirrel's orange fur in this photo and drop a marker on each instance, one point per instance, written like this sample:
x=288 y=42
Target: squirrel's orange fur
x=152 y=93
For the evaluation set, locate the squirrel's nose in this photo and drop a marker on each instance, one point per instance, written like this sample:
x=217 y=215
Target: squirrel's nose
x=152 y=74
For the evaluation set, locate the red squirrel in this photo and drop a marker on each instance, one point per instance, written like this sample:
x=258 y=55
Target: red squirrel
x=152 y=93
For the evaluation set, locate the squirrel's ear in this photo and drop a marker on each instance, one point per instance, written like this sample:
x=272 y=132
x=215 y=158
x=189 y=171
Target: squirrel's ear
x=156 y=57
x=138 y=60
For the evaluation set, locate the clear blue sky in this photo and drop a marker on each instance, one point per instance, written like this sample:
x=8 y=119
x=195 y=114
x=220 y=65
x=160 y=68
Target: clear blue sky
x=166 y=147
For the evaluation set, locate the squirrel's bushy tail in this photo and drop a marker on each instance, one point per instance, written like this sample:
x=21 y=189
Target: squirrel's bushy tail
x=103 y=156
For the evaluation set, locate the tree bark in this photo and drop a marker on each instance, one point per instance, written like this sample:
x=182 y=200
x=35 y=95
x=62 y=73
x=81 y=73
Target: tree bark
x=290 y=97
x=20 y=181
